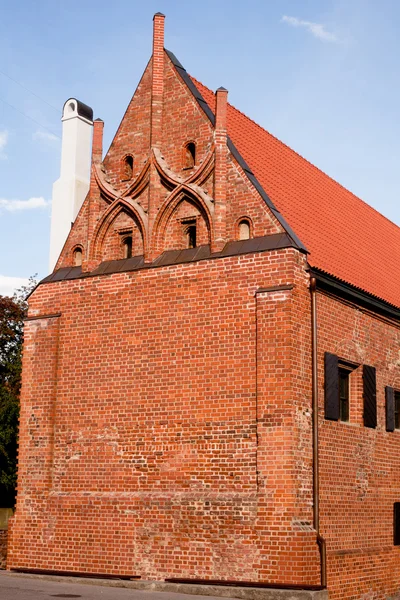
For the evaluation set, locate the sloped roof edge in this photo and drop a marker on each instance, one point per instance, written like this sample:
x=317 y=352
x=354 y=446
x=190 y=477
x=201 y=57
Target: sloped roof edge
x=235 y=152
x=328 y=282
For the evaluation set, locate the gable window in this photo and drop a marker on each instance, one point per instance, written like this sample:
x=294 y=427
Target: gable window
x=78 y=257
x=337 y=387
x=127 y=167
x=127 y=246
x=191 y=236
x=189 y=157
x=190 y=231
x=244 y=230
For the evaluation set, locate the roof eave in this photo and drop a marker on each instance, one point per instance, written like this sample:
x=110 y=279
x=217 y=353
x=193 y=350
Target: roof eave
x=338 y=287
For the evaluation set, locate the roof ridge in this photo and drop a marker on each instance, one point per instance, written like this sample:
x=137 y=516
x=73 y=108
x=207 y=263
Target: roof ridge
x=300 y=156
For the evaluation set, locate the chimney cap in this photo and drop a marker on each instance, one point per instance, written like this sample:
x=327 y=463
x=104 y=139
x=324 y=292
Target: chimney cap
x=98 y=120
x=76 y=108
x=222 y=89
x=159 y=14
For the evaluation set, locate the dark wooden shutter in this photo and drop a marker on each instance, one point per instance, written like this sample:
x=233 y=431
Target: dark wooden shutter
x=369 y=384
x=332 y=408
x=396 y=523
x=389 y=395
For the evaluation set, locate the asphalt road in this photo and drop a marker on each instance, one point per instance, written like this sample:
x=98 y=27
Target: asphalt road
x=19 y=587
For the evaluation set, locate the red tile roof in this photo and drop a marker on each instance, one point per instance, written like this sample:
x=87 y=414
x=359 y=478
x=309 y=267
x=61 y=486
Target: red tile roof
x=346 y=237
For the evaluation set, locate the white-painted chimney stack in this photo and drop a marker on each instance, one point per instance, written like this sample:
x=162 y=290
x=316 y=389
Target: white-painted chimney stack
x=70 y=190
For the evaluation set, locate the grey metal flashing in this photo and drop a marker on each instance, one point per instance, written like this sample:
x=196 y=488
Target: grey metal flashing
x=82 y=109
x=353 y=294
x=266 y=243
x=60 y=274
x=235 y=152
x=119 y=266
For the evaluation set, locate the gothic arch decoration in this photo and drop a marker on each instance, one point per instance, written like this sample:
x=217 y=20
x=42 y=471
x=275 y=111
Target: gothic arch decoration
x=134 y=189
x=181 y=195
x=182 y=189
x=121 y=205
x=187 y=190
x=197 y=176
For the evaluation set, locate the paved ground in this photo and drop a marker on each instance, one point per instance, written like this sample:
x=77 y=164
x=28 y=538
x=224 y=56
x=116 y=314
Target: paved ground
x=21 y=587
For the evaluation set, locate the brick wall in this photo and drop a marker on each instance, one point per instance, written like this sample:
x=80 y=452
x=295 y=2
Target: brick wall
x=163 y=450
x=3 y=548
x=360 y=466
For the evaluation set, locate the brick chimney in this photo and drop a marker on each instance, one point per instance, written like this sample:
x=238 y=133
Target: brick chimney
x=220 y=170
x=157 y=87
x=157 y=90
x=97 y=145
x=95 y=204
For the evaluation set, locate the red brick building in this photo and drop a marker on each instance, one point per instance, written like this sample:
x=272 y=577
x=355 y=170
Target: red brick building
x=214 y=391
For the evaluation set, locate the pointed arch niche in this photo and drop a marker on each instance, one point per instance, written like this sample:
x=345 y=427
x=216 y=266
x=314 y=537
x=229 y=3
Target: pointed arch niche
x=186 y=227
x=122 y=238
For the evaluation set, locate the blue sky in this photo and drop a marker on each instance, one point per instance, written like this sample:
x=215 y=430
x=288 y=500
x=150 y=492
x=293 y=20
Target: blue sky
x=321 y=75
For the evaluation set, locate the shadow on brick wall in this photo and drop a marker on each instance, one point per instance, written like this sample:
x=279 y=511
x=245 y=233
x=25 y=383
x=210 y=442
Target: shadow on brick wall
x=5 y=514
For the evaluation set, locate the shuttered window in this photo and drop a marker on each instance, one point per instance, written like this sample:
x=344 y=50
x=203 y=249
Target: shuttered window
x=397 y=410
x=332 y=401
x=344 y=393
x=392 y=398
x=369 y=388
x=390 y=417
x=396 y=523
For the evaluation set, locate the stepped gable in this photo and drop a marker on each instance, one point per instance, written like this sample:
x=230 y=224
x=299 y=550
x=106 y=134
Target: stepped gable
x=345 y=237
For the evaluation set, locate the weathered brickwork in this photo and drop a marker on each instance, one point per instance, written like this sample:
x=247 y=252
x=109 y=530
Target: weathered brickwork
x=163 y=444
x=3 y=548
x=360 y=466
x=122 y=226
x=132 y=137
x=183 y=121
x=166 y=418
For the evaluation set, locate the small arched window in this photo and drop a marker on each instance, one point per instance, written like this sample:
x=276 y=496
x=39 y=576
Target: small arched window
x=128 y=167
x=78 y=257
x=127 y=246
x=189 y=156
x=191 y=236
x=244 y=230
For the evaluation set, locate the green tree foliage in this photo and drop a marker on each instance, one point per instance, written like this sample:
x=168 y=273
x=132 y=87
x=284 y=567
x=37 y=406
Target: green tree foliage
x=12 y=313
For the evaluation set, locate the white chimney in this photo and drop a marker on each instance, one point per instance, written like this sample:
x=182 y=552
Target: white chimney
x=69 y=191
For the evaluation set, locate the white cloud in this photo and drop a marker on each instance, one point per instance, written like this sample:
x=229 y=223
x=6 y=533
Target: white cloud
x=3 y=143
x=8 y=285
x=46 y=137
x=17 y=205
x=316 y=29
